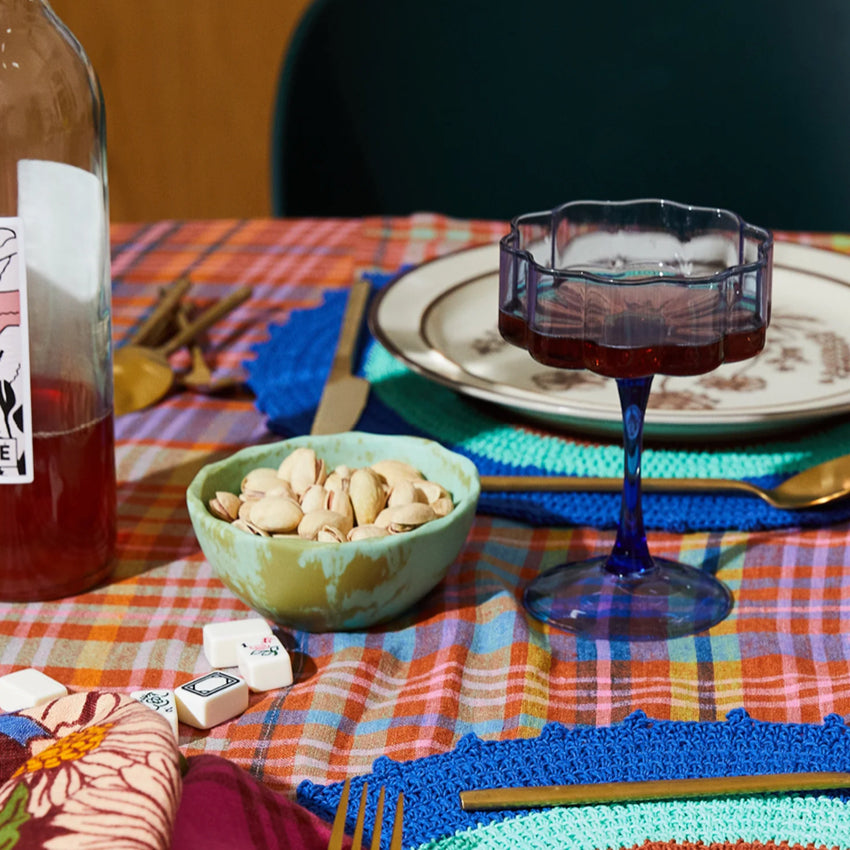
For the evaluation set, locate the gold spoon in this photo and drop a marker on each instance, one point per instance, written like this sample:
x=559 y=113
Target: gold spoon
x=817 y=485
x=199 y=378
x=142 y=376
x=199 y=374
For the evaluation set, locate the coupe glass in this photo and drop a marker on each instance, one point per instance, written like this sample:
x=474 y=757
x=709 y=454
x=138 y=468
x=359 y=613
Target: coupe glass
x=629 y=290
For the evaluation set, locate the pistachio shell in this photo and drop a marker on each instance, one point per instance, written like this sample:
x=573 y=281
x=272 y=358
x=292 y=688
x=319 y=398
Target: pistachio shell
x=311 y=523
x=443 y=506
x=243 y=525
x=367 y=494
x=225 y=505
x=245 y=509
x=276 y=514
x=314 y=498
x=330 y=534
x=259 y=481
x=405 y=493
x=430 y=490
x=402 y=518
x=393 y=471
x=364 y=532
x=337 y=481
x=307 y=469
x=283 y=488
x=284 y=470
x=340 y=501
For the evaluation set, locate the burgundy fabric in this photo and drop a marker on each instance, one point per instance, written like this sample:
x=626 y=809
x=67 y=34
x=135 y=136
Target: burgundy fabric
x=225 y=808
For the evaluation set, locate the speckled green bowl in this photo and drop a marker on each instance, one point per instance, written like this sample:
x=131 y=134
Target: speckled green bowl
x=335 y=586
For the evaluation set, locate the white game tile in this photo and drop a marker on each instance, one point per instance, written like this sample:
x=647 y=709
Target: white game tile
x=160 y=700
x=211 y=699
x=28 y=688
x=264 y=663
x=222 y=639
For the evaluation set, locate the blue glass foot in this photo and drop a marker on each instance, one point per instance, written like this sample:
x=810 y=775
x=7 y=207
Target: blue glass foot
x=669 y=600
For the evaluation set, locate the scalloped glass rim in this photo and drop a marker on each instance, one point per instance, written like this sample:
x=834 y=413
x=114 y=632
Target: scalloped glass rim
x=763 y=237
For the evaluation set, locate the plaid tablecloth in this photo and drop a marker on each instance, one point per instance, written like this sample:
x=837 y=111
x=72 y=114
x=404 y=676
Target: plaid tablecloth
x=467 y=659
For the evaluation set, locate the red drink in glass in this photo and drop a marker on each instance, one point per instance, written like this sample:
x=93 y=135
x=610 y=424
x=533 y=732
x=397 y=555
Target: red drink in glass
x=57 y=534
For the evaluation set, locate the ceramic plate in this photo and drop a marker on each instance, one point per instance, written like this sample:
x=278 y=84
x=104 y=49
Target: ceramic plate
x=440 y=319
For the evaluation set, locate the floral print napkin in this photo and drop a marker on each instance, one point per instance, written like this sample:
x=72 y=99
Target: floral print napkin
x=90 y=770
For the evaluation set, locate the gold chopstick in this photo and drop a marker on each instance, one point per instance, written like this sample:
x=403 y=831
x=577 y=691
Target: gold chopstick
x=654 y=789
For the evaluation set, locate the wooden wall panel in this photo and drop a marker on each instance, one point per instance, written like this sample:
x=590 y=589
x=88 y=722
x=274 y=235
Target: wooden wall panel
x=189 y=88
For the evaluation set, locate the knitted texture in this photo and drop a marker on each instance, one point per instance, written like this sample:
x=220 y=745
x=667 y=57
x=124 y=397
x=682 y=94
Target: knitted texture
x=290 y=368
x=636 y=749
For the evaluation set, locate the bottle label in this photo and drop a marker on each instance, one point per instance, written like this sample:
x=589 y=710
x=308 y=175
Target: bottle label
x=16 y=460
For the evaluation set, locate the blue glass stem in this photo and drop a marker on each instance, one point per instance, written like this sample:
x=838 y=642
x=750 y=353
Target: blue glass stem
x=630 y=555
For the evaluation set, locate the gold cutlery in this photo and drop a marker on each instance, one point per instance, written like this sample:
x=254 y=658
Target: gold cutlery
x=345 y=394
x=654 y=789
x=161 y=316
x=817 y=485
x=143 y=375
x=338 y=829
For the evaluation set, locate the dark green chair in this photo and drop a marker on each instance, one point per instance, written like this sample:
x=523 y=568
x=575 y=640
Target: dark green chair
x=490 y=108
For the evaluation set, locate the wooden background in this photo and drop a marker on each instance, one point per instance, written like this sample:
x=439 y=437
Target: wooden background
x=189 y=88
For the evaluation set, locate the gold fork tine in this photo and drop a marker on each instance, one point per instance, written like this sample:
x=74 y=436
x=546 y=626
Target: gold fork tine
x=379 y=818
x=395 y=841
x=338 y=829
x=361 y=818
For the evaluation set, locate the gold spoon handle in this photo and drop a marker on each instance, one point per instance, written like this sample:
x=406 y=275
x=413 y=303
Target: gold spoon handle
x=169 y=298
x=209 y=317
x=656 y=789
x=579 y=484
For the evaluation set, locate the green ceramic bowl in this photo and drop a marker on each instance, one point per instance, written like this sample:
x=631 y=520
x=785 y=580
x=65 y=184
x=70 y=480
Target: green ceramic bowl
x=316 y=587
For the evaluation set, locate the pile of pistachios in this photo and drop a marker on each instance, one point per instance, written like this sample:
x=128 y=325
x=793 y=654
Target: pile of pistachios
x=300 y=498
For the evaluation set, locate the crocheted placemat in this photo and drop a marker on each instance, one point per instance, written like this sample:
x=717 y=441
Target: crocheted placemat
x=636 y=749
x=289 y=370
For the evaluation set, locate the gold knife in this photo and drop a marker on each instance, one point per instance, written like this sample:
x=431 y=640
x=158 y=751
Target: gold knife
x=345 y=394
x=654 y=789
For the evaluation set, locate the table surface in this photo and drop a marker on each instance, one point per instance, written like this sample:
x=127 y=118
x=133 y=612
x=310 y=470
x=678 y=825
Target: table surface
x=467 y=659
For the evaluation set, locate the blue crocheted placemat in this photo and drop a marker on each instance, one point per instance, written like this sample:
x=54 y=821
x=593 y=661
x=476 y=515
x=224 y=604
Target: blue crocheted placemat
x=636 y=749
x=290 y=368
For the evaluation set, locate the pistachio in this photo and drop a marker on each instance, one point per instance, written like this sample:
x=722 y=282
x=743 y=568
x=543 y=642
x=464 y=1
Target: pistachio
x=314 y=498
x=404 y=492
x=364 y=532
x=243 y=525
x=225 y=505
x=393 y=471
x=276 y=514
x=311 y=523
x=283 y=488
x=340 y=502
x=305 y=470
x=401 y=518
x=330 y=534
x=443 y=506
x=301 y=499
x=367 y=494
x=259 y=481
x=430 y=491
x=337 y=481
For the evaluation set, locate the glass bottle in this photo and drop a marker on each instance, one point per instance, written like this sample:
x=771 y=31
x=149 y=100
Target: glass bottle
x=57 y=452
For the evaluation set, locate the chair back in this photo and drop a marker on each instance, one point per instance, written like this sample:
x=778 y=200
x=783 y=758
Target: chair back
x=491 y=108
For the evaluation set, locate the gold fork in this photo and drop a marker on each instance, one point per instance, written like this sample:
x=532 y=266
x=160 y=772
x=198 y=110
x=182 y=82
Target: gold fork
x=338 y=830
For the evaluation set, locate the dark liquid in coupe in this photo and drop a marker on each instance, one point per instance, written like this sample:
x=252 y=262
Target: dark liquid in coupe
x=571 y=352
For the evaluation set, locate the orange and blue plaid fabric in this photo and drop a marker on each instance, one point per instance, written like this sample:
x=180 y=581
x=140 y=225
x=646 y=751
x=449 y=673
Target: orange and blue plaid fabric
x=465 y=660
